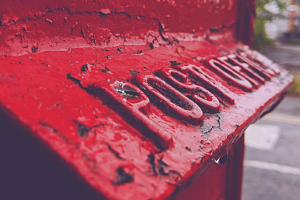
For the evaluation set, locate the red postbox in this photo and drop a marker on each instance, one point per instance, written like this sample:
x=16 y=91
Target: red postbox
x=129 y=99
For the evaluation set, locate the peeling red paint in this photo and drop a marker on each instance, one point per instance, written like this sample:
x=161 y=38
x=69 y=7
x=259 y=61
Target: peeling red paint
x=65 y=24
x=43 y=92
x=78 y=77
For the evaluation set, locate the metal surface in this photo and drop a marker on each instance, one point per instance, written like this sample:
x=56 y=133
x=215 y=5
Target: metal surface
x=220 y=181
x=138 y=102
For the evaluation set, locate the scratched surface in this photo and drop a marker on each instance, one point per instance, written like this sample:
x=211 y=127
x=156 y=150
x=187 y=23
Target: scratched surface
x=106 y=146
x=47 y=25
x=65 y=77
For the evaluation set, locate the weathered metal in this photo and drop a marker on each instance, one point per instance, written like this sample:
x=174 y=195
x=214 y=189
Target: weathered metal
x=138 y=98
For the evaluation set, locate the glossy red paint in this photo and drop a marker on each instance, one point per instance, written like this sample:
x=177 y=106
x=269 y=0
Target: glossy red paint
x=220 y=181
x=199 y=94
x=137 y=98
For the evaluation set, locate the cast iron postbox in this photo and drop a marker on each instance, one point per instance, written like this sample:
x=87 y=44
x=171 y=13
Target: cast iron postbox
x=129 y=99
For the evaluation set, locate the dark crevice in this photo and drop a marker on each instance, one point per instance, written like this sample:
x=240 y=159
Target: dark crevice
x=209 y=40
x=82 y=129
x=133 y=72
x=114 y=152
x=77 y=82
x=188 y=148
x=92 y=164
x=174 y=63
x=125 y=13
x=207 y=130
x=34 y=49
x=122 y=177
x=84 y=68
x=161 y=168
x=151 y=45
x=56 y=131
x=231 y=62
x=104 y=70
x=161 y=30
x=211 y=87
x=170 y=94
x=227 y=71
x=218 y=118
x=217 y=29
x=49 y=127
x=82 y=33
x=151 y=160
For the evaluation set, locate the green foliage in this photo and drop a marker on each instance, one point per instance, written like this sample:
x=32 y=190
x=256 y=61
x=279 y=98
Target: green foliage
x=260 y=39
x=281 y=5
x=295 y=88
x=261 y=3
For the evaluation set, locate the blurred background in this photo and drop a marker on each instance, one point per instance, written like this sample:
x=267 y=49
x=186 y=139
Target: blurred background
x=272 y=154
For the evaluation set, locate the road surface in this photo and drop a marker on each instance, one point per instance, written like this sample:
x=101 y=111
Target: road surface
x=272 y=155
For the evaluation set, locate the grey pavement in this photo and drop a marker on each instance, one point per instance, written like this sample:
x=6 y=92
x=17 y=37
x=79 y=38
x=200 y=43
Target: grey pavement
x=267 y=183
x=285 y=55
x=274 y=173
x=272 y=154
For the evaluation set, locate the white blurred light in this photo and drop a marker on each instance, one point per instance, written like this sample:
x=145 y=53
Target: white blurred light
x=272 y=7
x=292 y=8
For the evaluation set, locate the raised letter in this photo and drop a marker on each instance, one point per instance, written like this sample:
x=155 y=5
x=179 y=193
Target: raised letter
x=170 y=98
x=137 y=104
x=230 y=75
x=200 y=95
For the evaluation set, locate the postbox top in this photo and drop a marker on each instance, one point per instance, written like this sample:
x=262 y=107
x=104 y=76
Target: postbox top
x=123 y=122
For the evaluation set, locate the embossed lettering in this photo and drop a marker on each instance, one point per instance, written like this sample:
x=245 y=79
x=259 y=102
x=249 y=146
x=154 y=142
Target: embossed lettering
x=199 y=78
x=137 y=104
x=169 y=98
x=269 y=65
x=230 y=74
x=255 y=67
x=204 y=98
x=241 y=68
